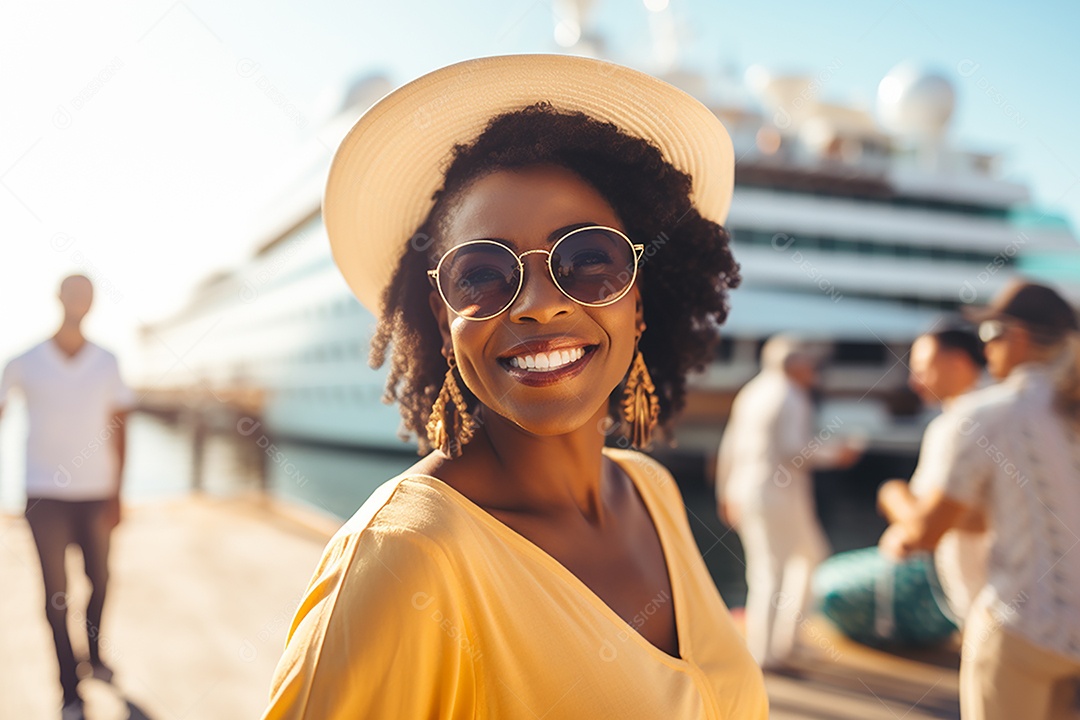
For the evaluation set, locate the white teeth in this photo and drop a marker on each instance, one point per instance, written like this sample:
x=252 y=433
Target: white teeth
x=545 y=362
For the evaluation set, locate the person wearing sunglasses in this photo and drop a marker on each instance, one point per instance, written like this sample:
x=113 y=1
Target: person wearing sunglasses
x=1013 y=453
x=541 y=239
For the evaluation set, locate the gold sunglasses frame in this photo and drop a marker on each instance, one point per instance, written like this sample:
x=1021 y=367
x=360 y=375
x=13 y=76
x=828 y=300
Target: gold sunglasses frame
x=636 y=248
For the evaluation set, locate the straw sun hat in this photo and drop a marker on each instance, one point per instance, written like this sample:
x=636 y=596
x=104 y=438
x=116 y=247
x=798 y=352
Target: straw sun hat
x=388 y=166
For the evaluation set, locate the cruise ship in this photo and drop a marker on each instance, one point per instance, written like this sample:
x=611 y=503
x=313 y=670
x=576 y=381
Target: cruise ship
x=854 y=229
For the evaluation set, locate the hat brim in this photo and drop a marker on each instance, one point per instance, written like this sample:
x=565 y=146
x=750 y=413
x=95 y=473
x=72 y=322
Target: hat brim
x=389 y=165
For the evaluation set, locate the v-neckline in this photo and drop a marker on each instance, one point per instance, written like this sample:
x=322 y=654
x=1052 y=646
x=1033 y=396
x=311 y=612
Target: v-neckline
x=66 y=361
x=681 y=662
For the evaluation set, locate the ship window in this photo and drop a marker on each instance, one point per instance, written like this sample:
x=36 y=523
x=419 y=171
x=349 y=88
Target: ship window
x=756 y=237
x=726 y=350
x=843 y=190
x=856 y=353
x=790 y=241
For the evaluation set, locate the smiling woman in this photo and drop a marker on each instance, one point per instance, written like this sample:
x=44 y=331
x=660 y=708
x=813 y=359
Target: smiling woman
x=541 y=237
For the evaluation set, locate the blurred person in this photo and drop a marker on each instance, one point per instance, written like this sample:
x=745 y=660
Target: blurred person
x=1015 y=453
x=76 y=404
x=945 y=366
x=872 y=598
x=764 y=490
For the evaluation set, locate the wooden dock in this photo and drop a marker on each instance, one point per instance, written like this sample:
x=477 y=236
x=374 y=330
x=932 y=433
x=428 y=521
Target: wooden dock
x=201 y=594
x=203 y=590
x=838 y=679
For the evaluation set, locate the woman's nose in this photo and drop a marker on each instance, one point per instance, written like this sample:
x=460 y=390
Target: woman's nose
x=540 y=300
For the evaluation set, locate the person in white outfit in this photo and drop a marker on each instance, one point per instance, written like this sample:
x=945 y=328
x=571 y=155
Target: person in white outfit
x=76 y=402
x=1015 y=453
x=946 y=365
x=764 y=490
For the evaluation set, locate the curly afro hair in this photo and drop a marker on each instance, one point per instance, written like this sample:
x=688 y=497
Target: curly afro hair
x=686 y=271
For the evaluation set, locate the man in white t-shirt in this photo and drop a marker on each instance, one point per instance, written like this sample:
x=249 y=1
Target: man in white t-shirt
x=76 y=402
x=1015 y=454
x=946 y=365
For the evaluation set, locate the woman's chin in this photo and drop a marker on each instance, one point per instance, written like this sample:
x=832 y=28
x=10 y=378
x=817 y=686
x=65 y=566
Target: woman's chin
x=552 y=422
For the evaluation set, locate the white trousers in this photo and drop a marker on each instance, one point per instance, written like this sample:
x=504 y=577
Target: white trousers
x=783 y=542
x=1003 y=676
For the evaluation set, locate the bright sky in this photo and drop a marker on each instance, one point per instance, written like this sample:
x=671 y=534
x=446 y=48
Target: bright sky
x=141 y=140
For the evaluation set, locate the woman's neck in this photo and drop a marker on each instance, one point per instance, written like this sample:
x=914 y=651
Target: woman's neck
x=549 y=475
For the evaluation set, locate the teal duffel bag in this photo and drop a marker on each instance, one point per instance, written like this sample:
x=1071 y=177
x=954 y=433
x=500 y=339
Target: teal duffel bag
x=878 y=601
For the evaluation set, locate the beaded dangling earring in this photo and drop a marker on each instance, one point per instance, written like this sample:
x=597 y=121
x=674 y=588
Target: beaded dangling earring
x=450 y=426
x=640 y=406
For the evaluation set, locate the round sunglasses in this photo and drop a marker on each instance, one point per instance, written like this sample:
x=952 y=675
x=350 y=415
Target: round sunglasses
x=593 y=266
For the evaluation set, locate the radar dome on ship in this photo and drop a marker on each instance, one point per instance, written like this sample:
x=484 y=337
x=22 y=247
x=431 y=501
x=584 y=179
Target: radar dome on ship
x=914 y=101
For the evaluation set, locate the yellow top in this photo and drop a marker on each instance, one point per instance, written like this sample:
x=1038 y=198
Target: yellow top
x=426 y=606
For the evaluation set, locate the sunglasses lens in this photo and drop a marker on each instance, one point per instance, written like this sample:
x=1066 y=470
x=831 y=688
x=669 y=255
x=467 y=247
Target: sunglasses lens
x=991 y=330
x=479 y=279
x=594 y=266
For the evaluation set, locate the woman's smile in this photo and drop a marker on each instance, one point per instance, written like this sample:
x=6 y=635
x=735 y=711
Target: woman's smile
x=540 y=362
x=547 y=362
